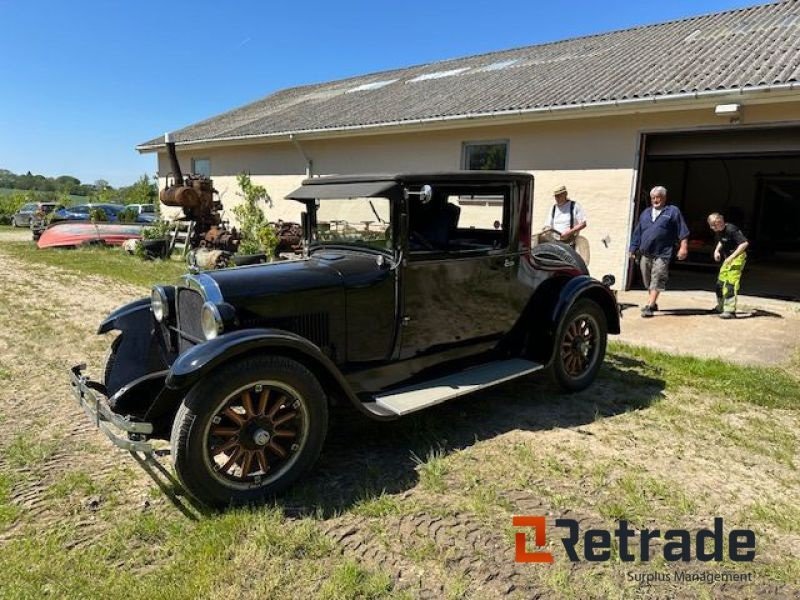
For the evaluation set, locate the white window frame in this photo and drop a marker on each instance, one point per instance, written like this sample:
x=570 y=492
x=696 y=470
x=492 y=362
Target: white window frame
x=482 y=200
x=467 y=144
x=194 y=165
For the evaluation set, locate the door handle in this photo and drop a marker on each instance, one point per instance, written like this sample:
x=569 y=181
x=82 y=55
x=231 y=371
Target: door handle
x=509 y=262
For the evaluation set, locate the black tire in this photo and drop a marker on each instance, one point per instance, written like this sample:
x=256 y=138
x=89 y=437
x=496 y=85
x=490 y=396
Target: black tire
x=580 y=346
x=110 y=359
x=199 y=435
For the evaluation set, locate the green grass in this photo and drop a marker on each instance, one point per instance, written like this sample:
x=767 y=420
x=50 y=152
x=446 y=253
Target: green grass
x=784 y=517
x=432 y=469
x=240 y=554
x=8 y=511
x=27 y=450
x=763 y=386
x=105 y=262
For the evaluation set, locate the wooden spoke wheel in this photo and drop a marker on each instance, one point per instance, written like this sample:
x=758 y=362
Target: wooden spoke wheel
x=580 y=346
x=256 y=433
x=248 y=430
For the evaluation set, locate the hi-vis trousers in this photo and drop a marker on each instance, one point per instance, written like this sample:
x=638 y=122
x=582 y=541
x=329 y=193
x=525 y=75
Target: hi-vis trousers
x=730 y=274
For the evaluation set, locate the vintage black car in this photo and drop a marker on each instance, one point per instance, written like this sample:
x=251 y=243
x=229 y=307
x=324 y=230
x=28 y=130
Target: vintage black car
x=412 y=289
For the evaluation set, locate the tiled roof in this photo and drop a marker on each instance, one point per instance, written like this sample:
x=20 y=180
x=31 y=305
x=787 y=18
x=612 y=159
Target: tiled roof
x=746 y=48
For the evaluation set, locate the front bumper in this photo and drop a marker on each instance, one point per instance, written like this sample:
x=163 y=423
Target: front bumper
x=124 y=432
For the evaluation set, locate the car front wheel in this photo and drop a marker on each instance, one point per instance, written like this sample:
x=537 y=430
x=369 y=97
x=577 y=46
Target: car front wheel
x=249 y=430
x=580 y=346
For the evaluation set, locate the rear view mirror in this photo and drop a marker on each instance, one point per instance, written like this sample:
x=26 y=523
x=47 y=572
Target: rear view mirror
x=425 y=194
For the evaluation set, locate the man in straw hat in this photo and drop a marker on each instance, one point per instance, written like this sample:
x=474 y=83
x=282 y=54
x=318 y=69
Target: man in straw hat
x=566 y=216
x=564 y=222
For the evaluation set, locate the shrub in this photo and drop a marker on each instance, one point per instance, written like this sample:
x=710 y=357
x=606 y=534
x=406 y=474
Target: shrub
x=97 y=215
x=11 y=203
x=127 y=215
x=257 y=235
x=156 y=231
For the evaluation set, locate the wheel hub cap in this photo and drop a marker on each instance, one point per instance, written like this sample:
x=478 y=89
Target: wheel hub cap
x=261 y=437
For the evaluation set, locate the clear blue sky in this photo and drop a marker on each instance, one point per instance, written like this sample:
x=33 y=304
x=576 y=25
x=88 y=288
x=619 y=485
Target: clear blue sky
x=81 y=83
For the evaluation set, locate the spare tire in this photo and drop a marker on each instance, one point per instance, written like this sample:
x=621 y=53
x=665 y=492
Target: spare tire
x=553 y=256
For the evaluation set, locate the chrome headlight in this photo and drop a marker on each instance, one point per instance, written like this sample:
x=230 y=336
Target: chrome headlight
x=211 y=321
x=159 y=303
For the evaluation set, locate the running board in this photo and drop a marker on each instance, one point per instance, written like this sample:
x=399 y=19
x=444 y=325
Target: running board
x=428 y=393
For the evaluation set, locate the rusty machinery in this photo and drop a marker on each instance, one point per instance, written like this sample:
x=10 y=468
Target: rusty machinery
x=195 y=195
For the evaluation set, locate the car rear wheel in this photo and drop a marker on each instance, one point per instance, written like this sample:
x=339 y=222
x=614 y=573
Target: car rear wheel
x=580 y=346
x=249 y=430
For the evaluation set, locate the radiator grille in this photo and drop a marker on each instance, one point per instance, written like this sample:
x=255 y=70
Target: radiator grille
x=189 y=304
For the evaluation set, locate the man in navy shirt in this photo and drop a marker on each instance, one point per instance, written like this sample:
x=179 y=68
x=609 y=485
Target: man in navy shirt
x=660 y=228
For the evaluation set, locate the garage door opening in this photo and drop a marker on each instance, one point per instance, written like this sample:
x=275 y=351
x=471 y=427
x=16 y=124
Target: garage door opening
x=750 y=176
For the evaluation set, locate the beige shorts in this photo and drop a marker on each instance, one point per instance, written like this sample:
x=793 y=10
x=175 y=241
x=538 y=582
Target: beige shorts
x=655 y=272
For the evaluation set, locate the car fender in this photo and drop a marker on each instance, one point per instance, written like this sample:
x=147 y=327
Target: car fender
x=549 y=305
x=195 y=363
x=126 y=315
x=586 y=287
x=139 y=351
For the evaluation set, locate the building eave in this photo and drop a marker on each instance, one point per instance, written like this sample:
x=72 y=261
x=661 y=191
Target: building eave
x=785 y=92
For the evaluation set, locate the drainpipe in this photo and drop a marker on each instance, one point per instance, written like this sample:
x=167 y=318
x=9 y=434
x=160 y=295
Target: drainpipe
x=309 y=162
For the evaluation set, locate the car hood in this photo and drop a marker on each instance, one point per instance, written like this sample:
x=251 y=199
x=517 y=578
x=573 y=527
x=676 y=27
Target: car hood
x=323 y=270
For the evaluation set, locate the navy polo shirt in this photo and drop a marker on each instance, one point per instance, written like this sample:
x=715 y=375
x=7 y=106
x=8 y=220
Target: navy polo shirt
x=659 y=237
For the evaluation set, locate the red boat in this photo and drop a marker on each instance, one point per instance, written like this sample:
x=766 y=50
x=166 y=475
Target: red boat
x=79 y=234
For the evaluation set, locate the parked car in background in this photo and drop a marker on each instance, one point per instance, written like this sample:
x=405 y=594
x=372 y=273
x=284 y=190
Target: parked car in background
x=146 y=213
x=22 y=218
x=81 y=212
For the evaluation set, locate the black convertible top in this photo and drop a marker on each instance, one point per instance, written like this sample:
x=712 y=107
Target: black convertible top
x=366 y=185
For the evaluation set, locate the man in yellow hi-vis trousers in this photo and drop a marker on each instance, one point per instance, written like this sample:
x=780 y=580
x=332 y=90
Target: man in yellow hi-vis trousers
x=731 y=249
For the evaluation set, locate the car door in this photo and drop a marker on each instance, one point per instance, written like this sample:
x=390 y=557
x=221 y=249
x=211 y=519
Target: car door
x=459 y=277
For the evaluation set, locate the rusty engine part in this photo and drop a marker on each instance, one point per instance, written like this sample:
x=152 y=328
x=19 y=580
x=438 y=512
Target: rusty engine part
x=195 y=195
x=290 y=237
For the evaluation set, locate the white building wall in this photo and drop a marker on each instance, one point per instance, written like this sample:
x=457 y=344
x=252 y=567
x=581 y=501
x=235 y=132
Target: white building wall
x=596 y=158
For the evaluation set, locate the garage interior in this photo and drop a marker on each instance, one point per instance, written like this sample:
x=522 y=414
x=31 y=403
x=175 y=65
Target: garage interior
x=752 y=177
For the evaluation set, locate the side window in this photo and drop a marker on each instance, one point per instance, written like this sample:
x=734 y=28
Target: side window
x=201 y=166
x=482 y=223
x=464 y=220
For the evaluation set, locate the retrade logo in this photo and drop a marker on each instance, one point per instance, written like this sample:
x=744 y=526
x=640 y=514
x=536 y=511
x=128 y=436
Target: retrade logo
x=520 y=540
x=679 y=544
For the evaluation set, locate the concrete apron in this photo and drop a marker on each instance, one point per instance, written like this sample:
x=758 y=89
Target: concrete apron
x=765 y=332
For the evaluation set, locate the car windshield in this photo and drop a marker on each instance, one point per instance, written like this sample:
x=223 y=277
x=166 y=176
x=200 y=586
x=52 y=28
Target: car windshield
x=148 y=208
x=355 y=221
x=27 y=208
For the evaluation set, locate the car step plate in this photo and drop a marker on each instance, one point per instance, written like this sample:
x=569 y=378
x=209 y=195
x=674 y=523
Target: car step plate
x=428 y=393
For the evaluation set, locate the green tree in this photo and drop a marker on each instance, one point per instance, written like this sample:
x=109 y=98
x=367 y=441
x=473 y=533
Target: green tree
x=142 y=192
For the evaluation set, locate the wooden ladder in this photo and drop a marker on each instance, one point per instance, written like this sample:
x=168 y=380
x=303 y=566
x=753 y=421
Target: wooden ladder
x=179 y=236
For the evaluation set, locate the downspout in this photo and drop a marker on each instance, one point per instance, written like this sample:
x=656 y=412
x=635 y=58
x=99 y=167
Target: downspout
x=309 y=162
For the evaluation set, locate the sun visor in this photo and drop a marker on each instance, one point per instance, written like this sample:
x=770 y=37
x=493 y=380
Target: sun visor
x=327 y=191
